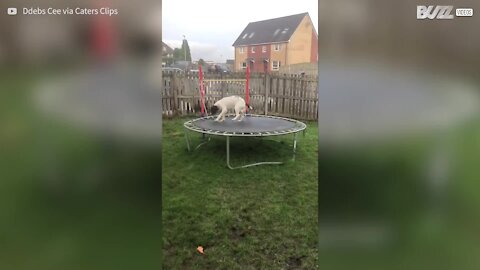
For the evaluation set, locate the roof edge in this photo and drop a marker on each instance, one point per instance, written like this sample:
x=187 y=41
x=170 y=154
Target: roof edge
x=276 y=42
x=303 y=13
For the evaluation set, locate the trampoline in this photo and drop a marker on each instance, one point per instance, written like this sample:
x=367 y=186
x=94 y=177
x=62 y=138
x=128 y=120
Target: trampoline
x=251 y=126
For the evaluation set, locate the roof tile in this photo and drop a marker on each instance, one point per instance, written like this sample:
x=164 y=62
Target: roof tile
x=269 y=31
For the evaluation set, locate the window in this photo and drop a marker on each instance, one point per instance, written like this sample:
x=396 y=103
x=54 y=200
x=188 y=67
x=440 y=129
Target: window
x=244 y=36
x=276 y=32
x=241 y=49
x=251 y=35
x=285 y=31
x=243 y=65
x=253 y=49
x=276 y=47
x=264 y=48
x=275 y=65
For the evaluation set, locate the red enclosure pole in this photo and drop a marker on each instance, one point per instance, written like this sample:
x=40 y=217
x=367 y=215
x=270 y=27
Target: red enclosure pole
x=202 y=90
x=103 y=35
x=247 y=90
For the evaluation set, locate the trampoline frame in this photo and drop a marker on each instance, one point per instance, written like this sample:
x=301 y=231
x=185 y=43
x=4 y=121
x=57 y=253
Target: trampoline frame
x=189 y=126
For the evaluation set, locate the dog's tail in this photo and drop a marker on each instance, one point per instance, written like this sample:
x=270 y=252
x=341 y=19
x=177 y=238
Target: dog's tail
x=249 y=107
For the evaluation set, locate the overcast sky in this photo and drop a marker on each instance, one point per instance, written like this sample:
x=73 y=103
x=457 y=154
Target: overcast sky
x=211 y=26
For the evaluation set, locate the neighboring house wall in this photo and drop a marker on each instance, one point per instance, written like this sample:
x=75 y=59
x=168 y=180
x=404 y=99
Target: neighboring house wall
x=299 y=47
x=240 y=57
x=251 y=55
x=280 y=55
x=314 y=48
x=302 y=47
x=266 y=66
x=258 y=56
x=310 y=69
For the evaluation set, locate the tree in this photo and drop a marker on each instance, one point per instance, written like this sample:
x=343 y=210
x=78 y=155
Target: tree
x=202 y=63
x=182 y=54
x=186 y=51
x=178 y=54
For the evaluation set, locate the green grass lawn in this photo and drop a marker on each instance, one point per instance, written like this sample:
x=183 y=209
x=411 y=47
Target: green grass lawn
x=263 y=217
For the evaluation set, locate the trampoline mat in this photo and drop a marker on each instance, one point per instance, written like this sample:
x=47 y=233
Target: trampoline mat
x=250 y=124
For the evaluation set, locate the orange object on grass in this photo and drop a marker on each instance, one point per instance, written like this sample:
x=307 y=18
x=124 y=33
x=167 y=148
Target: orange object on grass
x=200 y=249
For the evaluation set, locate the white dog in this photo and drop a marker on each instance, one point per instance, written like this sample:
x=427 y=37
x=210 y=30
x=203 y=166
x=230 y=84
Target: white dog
x=227 y=103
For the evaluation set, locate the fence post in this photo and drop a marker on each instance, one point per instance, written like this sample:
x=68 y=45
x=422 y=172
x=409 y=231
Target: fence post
x=302 y=93
x=194 y=91
x=267 y=90
x=222 y=86
x=247 y=87
x=175 y=88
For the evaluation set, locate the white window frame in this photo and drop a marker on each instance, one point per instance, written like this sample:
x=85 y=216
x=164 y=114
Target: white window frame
x=243 y=65
x=241 y=50
x=264 y=49
x=277 y=66
x=253 y=49
x=276 y=47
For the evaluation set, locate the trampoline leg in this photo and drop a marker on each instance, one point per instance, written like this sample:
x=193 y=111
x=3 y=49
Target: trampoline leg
x=228 y=153
x=204 y=141
x=294 y=145
x=248 y=165
x=187 y=139
x=294 y=142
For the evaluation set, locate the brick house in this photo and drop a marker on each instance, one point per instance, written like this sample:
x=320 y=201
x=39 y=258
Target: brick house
x=267 y=45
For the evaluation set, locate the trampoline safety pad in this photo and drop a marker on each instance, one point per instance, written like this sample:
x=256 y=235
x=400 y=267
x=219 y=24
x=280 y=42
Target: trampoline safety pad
x=251 y=125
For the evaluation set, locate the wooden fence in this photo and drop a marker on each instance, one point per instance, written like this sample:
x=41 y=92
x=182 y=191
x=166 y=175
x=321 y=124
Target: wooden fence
x=290 y=96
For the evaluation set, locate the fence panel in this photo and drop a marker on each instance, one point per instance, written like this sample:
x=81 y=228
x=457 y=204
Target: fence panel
x=291 y=96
